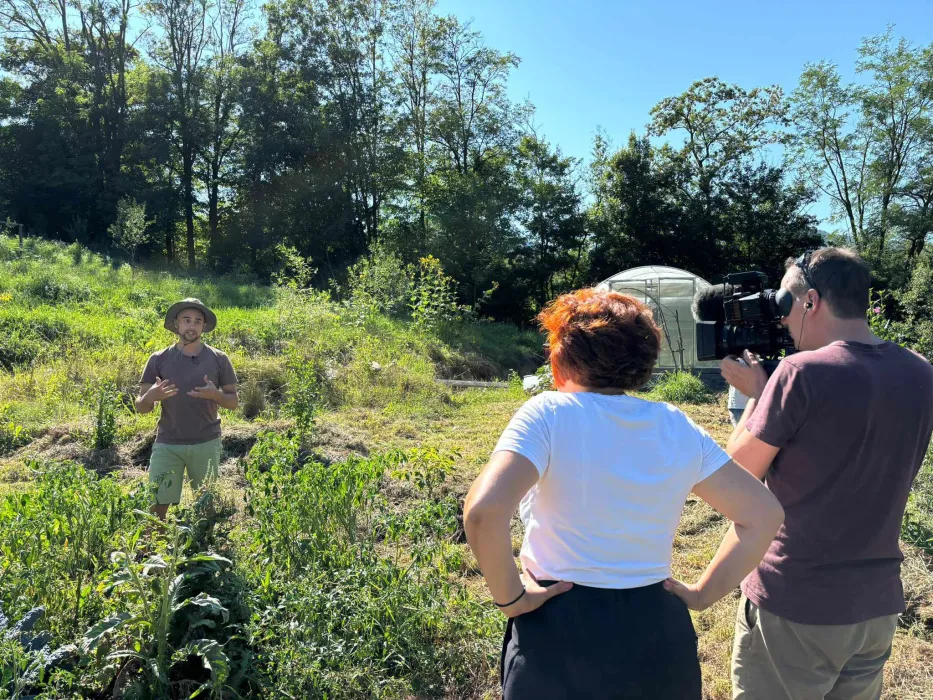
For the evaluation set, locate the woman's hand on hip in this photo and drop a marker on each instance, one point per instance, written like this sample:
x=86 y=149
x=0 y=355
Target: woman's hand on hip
x=688 y=592
x=536 y=595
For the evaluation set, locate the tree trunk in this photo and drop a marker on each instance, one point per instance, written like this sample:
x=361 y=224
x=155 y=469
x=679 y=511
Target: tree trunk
x=213 y=214
x=885 y=203
x=188 y=177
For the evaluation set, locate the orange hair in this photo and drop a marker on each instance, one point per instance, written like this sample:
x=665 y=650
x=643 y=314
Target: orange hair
x=601 y=340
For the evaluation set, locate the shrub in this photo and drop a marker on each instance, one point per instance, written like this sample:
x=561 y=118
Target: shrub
x=130 y=230
x=304 y=396
x=917 y=302
x=12 y=435
x=57 y=289
x=907 y=317
x=16 y=351
x=295 y=271
x=679 y=387
x=379 y=282
x=433 y=295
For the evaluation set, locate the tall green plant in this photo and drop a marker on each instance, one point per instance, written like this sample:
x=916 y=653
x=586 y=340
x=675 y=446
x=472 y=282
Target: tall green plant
x=154 y=602
x=12 y=434
x=105 y=424
x=130 y=230
x=379 y=282
x=433 y=296
x=304 y=395
x=55 y=542
x=313 y=512
x=358 y=597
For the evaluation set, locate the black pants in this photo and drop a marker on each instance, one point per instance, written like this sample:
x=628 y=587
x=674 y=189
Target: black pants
x=603 y=643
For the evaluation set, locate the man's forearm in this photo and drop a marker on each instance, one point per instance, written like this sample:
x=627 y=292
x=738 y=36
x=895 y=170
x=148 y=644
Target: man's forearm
x=229 y=401
x=143 y=406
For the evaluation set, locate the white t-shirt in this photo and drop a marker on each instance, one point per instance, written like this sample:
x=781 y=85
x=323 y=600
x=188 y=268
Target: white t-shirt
x=736 y=398
x=615 y=472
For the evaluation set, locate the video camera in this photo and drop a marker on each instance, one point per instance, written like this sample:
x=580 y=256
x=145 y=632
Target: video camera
x=741 y=314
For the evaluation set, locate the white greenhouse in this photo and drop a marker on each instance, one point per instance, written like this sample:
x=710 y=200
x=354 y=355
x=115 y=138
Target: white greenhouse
x=668 y=291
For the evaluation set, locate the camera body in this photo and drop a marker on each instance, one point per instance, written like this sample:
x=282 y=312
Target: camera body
x=750 y=318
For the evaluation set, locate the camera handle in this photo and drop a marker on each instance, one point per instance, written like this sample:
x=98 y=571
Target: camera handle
x=770 y=366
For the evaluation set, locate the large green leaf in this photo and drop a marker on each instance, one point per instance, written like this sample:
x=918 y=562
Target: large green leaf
x=208 y=557
x=158 y=672
x=212 y=656
x=208 y=605
x=95 y=634
x=154 y=562
x=174 y=587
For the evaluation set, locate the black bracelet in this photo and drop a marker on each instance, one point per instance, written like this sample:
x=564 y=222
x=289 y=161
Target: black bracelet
x=505 y=605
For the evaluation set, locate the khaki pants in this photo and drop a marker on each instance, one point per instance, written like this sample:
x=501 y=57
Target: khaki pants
x=168 y=464
x=776 y=659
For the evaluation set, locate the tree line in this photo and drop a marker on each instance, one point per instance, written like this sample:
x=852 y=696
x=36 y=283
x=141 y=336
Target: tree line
x=224 y=135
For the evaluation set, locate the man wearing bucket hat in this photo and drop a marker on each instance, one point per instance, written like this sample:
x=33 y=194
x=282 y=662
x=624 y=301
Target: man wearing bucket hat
x=190 y=379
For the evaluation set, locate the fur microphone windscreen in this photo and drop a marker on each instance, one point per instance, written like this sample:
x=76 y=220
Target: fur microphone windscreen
x=707 y=303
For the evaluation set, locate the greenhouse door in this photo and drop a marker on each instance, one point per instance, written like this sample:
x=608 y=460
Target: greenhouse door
x=670 y=301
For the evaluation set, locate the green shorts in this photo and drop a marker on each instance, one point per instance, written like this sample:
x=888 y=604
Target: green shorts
x=168 y=463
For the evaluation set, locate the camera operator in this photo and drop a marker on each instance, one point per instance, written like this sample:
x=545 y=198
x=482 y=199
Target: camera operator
x=601 y=479
x=838 y=433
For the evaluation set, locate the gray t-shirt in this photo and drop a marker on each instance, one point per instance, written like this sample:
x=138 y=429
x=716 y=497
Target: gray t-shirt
x=853 y=422
x=186 y=420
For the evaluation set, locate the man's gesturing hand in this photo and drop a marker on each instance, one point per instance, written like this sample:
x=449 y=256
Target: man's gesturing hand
x=208 y=391
x=161 y=390
x=750 y=378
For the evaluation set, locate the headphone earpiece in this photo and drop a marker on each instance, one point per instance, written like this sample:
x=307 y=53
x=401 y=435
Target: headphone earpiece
x=808 y=305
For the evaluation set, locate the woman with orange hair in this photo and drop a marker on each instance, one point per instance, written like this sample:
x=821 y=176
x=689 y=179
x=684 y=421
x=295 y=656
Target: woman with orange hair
x=600 y=478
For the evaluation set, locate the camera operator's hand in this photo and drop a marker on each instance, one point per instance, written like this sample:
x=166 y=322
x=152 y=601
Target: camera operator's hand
x=750 y=378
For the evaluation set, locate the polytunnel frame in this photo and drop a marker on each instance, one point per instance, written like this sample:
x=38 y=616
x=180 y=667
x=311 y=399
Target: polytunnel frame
x=648 y=282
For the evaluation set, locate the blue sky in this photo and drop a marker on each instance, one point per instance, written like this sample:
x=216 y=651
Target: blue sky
x=598 y=62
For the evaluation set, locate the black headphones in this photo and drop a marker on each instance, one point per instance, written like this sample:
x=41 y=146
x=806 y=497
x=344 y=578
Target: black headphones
x=784 y=300
x=803 y=262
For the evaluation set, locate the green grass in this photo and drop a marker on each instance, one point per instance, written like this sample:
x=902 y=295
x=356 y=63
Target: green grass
x=918 y=520
x=679 y=387
x=372 y=610
x=71 y=321
x=330 y=564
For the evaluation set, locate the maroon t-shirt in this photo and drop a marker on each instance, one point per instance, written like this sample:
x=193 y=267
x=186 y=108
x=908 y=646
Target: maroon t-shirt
x=853 y=422
x=186 y=420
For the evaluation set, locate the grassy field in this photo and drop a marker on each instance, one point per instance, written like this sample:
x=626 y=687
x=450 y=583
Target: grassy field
x=329 y=560
x=474 y=427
